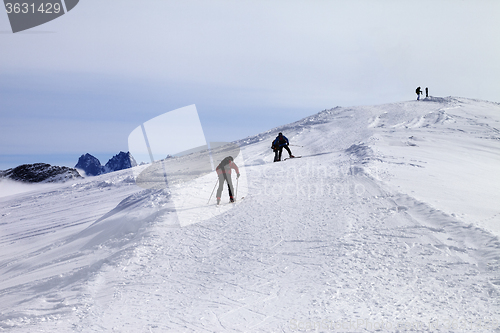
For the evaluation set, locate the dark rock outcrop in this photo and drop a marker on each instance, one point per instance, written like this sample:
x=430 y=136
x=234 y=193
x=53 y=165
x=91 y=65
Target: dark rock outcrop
x=120 y=161
x=40 y=172
x=90 y=164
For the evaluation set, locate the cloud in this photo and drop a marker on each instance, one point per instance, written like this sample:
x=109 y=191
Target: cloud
x=247 y=65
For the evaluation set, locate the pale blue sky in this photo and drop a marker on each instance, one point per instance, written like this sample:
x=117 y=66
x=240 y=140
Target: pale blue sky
x=83 y=82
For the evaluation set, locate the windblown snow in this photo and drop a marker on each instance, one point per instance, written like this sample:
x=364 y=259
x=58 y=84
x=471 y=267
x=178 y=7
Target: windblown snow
x=388 y=222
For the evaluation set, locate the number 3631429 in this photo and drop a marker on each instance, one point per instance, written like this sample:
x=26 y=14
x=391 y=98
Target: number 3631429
x=25 y=8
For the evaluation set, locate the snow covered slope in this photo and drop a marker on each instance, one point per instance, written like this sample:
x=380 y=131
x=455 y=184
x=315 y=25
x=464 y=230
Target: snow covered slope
x=388 y=222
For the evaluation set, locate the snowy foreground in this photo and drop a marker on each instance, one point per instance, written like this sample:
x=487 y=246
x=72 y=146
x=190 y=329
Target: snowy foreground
x=389 y=222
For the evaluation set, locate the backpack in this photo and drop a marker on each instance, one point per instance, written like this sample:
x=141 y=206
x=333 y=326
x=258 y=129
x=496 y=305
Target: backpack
x=279 y=141
x=224 y=162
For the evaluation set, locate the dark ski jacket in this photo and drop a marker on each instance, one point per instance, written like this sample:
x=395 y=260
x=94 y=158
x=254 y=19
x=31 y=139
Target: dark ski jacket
x=225 y=167
x=280 y=142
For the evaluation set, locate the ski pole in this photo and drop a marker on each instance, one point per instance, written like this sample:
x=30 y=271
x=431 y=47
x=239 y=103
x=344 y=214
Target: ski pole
x=297 y=146
x=236 y=192
x=212 y=191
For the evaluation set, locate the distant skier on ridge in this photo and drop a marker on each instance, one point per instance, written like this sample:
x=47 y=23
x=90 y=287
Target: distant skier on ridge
x=418 y=91
x=426 y=92
x=279 y=143
x=224 y=173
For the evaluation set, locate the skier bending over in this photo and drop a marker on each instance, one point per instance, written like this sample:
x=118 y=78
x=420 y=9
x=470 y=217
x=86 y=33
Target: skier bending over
x=278 y=144
x=418 y=91
x=224 y=173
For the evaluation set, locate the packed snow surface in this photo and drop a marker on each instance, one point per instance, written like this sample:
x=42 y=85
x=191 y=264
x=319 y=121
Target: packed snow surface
x=388 y=222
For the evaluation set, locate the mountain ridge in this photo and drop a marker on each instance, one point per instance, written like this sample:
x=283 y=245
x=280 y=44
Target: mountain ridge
x=93 y=167
x=40 y=173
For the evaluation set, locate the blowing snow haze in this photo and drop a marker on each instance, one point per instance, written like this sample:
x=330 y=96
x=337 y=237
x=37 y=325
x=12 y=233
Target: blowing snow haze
x=389 y=221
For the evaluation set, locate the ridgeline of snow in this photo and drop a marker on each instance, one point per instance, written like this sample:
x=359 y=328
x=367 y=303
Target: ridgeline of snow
x=389 y=222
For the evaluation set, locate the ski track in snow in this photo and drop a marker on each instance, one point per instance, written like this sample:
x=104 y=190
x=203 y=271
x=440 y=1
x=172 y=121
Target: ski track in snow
x=387 y=223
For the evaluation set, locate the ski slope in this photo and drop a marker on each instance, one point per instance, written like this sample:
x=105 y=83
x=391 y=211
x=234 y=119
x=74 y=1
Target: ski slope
x=389 y=222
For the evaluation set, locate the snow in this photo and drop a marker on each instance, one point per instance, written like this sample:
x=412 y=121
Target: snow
x=389 y=222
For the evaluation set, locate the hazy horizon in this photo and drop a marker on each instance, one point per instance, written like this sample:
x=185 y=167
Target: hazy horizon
x=81 y=83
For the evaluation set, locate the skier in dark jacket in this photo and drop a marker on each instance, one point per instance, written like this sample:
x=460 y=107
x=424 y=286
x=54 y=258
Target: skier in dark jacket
x=418 y=91
x=224 y=173
x=279 y=143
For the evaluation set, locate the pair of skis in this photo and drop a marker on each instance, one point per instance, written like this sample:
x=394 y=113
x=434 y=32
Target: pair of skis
x=233 y=202
x=235 y=194
x=289 y=158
